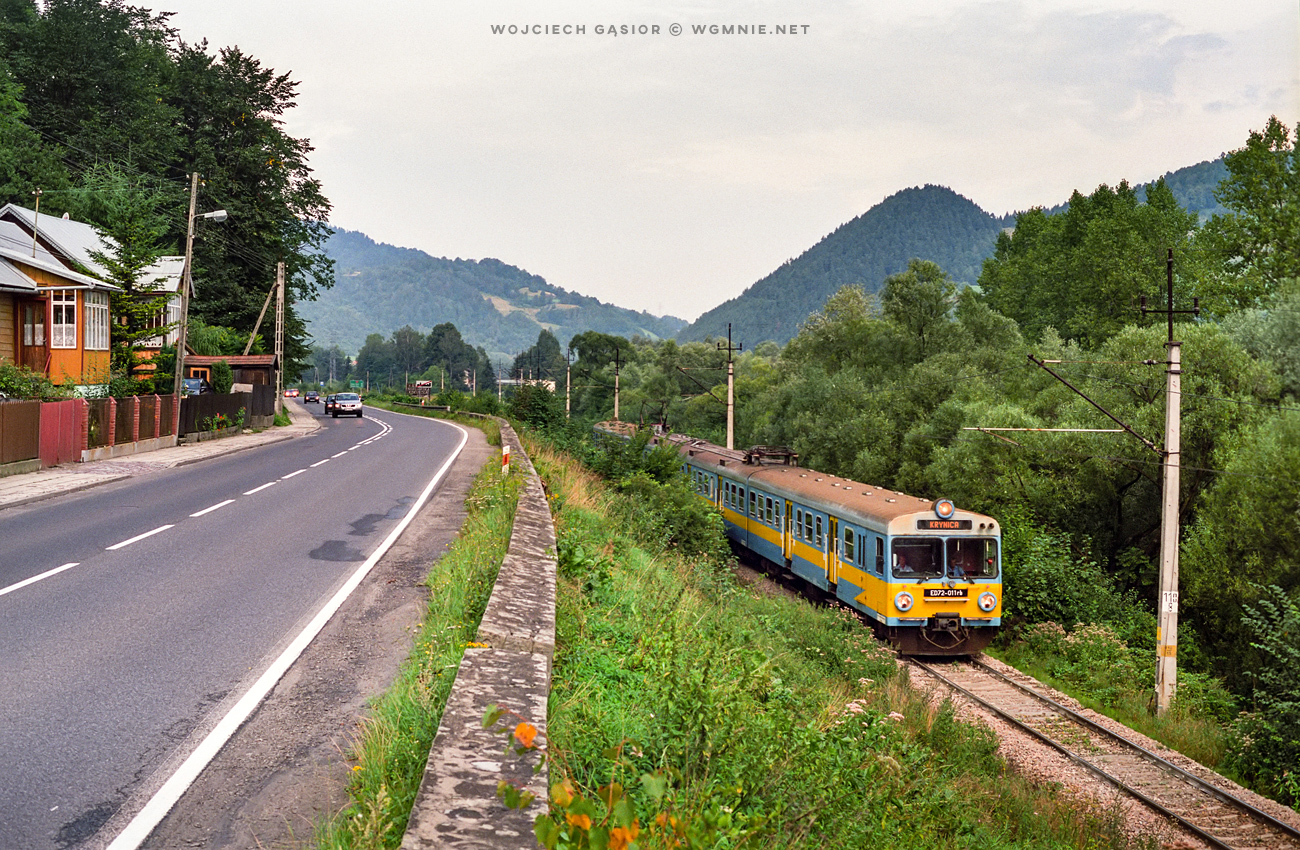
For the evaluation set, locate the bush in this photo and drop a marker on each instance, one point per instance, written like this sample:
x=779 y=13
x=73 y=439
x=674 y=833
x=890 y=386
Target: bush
x=223 y=377
x=670 y=514
x=21 y=382
x=1267 y=740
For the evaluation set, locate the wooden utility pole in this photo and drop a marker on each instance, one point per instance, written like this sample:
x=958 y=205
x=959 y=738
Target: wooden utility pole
x=731 y=388
x=279 y=337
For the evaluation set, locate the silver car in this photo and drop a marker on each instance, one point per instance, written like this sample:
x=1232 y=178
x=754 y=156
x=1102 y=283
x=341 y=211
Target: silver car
x=347 y=404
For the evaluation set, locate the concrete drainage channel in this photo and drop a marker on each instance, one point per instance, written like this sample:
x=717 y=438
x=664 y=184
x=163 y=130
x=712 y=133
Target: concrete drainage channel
x=457 y=805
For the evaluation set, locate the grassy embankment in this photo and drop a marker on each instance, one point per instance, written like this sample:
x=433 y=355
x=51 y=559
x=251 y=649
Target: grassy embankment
x=688 y=711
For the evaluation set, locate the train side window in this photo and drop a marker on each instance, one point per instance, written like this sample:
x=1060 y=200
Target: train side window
x=880 y=556
x=807 y=526
x=767 y=512
x=752 y=496
x=798 y=523
x=817 y=541
x=848 y=546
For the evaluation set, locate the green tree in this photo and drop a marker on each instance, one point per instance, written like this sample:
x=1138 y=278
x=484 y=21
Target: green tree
x=408 y=351
x=1084 y=271
x=1256 y=246
x=918 y=302
x=375 y=361
x=231 y=110
x=1269 y=736
x=128 y=212
x=96 y=75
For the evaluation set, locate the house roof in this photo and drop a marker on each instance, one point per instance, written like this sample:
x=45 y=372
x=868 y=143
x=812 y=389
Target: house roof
x=63 y=243
x=14 y=253
x=13 y=280
x=242 y=361
x=74 y=240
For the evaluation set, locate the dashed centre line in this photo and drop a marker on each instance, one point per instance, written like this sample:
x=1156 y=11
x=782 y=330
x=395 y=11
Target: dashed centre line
x=214 y=507
x=11 y=588
x=123 y=544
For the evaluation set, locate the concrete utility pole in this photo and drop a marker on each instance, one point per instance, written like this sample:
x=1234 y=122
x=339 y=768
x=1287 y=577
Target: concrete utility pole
x=731 y=388
x=1167 y=624
x=617 y=363
x=568 y=379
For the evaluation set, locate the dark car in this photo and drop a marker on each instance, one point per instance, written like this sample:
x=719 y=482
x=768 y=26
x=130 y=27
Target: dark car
x=196 y=386
x=311 y=396
x=347 y=404
x=329 y=402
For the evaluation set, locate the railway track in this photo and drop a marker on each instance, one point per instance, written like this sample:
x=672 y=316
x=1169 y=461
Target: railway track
x=1211 y=813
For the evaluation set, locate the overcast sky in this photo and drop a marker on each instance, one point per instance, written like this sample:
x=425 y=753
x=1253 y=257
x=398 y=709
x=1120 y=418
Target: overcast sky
x=667 y=172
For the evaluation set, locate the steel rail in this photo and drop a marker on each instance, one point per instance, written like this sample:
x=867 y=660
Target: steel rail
x=1165 y=765
x=1196 y=782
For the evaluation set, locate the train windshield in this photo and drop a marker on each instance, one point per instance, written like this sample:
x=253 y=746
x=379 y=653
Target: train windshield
x=972 y=557
x=917 y=557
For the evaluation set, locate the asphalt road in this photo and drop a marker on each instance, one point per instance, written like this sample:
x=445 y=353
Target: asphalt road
x=184 y=585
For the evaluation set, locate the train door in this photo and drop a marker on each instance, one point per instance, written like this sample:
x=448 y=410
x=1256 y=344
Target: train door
x=787 y=534
x=833 y=554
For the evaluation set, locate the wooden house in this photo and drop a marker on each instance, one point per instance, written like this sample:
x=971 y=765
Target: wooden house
x=54 y=299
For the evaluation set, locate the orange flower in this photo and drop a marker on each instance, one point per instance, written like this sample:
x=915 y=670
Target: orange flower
x=620 y=837
x=580 y=821
x=525 y=733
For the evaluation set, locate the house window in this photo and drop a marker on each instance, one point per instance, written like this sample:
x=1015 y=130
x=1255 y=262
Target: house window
x=97 y=321
x=63 y=327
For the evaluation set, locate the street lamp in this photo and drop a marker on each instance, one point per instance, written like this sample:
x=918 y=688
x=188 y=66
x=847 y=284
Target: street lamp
x=187 y=283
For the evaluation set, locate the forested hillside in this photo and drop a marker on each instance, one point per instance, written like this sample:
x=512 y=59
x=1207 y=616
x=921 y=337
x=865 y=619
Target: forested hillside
x=931 y=222
x=495 y=306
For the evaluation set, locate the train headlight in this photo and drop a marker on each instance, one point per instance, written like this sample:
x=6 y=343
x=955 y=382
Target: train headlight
x=903 y=601
x=987 y=602
x=944 y=509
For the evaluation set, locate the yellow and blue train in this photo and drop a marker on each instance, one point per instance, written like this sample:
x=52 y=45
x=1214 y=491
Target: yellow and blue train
x=927 y=575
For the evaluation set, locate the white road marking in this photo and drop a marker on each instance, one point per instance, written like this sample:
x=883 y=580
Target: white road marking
x=138 y=538
x=340 y=454
x=319 y=462
x=161 y=803
x=11 y=588
x=292 y=474
x=214 y=507
x=260 y=489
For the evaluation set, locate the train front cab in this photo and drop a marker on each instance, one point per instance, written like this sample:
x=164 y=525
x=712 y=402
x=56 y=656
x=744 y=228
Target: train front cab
x=944 y=590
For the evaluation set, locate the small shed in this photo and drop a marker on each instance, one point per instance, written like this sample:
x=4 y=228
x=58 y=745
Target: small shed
x=247 y=368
